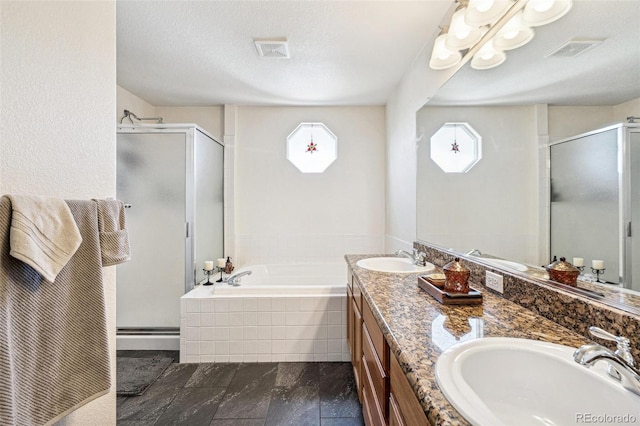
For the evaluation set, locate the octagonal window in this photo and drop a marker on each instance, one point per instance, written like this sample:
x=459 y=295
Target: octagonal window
x=311 y=147
x=456 y=147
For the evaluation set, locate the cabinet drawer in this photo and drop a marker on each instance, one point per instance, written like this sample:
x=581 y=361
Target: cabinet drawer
x=380 y=345
x=374 y=415
x=377 y=375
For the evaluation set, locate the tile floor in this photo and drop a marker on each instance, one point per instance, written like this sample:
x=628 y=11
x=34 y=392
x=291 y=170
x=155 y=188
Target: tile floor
x=245 y=394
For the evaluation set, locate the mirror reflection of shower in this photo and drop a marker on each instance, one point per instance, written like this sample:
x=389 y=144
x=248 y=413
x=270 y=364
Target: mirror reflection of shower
x=128 y=114
x=447 y=331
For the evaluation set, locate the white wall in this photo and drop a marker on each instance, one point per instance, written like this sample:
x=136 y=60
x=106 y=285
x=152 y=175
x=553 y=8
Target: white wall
x=411 y=94
x=493 y=207
x=57 y=113
x=282 y=215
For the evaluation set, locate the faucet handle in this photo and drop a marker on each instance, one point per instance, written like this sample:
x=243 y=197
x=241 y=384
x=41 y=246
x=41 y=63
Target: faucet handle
x=623 y=350
x=603 y=334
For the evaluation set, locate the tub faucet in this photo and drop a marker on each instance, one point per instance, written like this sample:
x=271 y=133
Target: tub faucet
x=417 y=257
x=234 y=279
x=621 y=367
x=474 y=252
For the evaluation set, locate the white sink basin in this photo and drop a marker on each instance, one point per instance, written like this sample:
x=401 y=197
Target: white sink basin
x=505 y=381
x=501 y=263
x=396 y=265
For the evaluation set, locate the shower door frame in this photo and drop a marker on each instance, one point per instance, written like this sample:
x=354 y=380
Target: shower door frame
x=189 y=131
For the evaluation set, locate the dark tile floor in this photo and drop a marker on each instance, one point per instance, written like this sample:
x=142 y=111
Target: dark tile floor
x=245 y=394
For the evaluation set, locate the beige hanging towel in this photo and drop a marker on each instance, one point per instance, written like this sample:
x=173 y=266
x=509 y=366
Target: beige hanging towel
x=112 y=228
x=44 y=234
x=54 y=354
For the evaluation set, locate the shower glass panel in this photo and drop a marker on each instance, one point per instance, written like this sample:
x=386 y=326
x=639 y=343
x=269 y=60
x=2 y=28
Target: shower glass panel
x=209 y=209
x=172 y=177
x=151 y=172
x=585 y=201
x=633 y=258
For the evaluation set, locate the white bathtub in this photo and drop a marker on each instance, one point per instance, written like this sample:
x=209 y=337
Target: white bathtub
x=288 y=279
x=278 y=313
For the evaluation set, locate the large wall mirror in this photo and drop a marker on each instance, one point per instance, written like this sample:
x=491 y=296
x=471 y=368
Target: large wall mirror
x=500 y=208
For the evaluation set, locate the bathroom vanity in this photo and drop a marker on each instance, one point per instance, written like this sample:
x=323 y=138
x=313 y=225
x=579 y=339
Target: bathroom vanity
x=396 y=332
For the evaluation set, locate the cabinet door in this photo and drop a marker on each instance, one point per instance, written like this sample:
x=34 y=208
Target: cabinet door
x=356 y=355
x=408 y=407
x=350 y=320
x=395 y=416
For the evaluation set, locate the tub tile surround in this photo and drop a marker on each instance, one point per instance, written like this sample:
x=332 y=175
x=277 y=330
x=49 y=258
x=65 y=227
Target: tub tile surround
x=303 y=248
x=570 y=310
x=262 y=328
x=418 y=328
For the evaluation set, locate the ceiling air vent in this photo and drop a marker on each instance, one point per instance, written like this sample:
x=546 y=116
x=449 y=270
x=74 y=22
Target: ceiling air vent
x=574 y=48
x=272 y=48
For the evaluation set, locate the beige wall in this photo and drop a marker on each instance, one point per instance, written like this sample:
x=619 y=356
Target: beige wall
x=627 y=109
x=210 y=119
x=58 y=70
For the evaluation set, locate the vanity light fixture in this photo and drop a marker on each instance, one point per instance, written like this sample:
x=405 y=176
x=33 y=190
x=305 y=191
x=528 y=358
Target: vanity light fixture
x=500 y=24
x=543 y=12
x=442 y=57
x=514 y=34
x=461 y=35
x=485 y=12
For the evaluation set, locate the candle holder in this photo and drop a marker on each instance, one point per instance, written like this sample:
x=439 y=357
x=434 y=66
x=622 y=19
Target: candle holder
x=220 y=269
x=208 y=273
x=581 y=269
x=598 y=272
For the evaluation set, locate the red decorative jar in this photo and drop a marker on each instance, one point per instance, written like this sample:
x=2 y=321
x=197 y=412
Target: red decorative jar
x=563 y=272
x=456 y=277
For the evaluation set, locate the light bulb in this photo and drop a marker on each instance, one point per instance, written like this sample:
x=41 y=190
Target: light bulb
x=461 y=35
x=487 y=54
x=542 y=5
x=484 y=5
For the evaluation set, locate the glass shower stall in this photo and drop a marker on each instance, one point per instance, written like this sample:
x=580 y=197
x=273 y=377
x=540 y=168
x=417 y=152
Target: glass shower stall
x=595 y=201
x=170 y=178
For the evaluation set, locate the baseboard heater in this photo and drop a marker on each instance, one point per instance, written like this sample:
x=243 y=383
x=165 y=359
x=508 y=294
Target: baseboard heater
x=151 y=331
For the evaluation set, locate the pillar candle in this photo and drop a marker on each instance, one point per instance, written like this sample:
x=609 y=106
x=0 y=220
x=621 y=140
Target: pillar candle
x=221 y=262
x=208 y=265
x=578 y=261
x=597 y=264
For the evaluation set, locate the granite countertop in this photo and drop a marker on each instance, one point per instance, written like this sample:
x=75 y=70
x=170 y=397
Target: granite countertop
x=418 y=328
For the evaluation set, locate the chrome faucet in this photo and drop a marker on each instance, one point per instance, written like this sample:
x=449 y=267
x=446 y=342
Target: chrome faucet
x=234 y=279
x=474 y=252
x=417 y=257
x=621 y=367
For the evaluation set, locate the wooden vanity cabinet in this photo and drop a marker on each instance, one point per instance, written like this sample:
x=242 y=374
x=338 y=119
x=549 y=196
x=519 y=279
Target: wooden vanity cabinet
x=404 y=407
x=375 y=367
x=385 y=393
x=354 y=329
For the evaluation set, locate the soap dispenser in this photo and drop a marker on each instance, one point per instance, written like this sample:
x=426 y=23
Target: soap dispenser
x=228 y=267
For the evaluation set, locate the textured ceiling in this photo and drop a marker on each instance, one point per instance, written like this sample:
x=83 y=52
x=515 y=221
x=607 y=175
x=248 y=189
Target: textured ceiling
x=190 y=53
x=179 y=53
